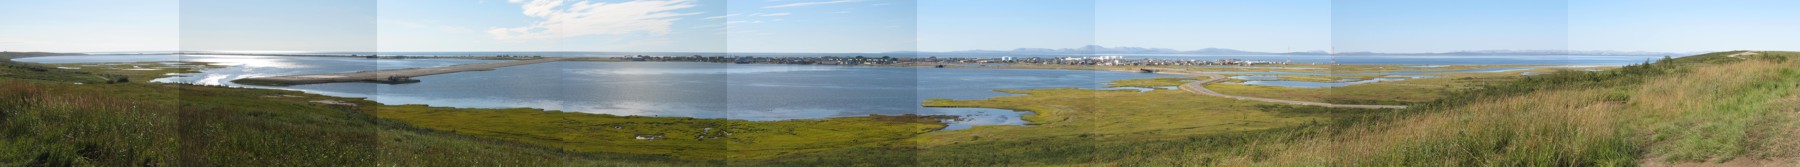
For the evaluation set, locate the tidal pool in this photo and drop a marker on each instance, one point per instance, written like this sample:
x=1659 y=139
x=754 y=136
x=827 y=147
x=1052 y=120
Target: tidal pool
x=1266 y=80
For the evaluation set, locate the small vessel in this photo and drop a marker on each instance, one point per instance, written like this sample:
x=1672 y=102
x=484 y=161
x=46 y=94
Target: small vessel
x=397 y=80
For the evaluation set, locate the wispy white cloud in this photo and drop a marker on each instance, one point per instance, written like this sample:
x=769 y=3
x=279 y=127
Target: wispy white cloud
x=799 y=4
x=773 y=14
x=560 y=19
x=722 y=16
x=454 y=29
x=640 y=43
x=709 y=26
x=745 y=32
x=427 y=25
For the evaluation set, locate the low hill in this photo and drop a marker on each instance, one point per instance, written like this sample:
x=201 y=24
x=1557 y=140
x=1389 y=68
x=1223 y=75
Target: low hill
x=1735 y=108
x=47 y=120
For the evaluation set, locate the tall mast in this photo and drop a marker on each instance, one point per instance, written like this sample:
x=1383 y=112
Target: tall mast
x=1334 y=55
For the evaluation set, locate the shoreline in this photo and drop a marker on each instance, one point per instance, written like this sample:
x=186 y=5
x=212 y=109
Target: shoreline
x=1001 y=66
x=395 y=76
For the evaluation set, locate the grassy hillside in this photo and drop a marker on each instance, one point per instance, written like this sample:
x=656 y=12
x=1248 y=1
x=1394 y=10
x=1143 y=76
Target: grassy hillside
x=48 y=121
x=1737 y=108
x=56 y=122
x=1706 y=108
x=1712 y=108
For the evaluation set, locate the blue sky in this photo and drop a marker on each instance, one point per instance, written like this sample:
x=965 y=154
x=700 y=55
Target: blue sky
x=1443 y=26
x=1678 y=25
x=830 y=26
x=895 y=25
x=1260 y=25
x=500 y=25
x=276 y=25
x=957 y=25
x=121 y=25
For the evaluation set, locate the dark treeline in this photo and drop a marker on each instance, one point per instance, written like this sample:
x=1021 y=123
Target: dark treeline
x=9 y=55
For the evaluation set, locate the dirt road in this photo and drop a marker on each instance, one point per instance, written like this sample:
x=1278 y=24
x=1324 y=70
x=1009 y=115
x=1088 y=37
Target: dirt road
x=1200 y=88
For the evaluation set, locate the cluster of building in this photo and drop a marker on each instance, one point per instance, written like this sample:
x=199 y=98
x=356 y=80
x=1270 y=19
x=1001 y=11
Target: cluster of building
x=887 y=60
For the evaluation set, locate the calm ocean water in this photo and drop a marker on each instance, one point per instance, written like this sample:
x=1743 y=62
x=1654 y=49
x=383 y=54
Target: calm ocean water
x=712 y=90
x=1342 y=59
x=704 y=90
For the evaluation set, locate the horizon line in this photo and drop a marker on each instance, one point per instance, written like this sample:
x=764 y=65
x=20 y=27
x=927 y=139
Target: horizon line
x=885 y=52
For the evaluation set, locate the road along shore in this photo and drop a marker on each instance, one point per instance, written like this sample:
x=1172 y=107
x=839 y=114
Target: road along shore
x=1199 y=87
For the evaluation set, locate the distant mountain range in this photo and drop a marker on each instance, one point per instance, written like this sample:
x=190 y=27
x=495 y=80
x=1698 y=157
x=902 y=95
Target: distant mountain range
x=1097 y=49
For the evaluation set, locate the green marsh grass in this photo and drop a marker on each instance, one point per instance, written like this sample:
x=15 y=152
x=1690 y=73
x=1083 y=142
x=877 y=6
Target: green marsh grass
x=687 y=138
x=1151 y=82
x=1699 y=109
x=51 y=122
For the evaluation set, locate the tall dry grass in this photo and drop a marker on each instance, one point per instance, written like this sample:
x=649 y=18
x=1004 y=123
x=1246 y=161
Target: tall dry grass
x=53 y=123
x=1707 y=113
x=49 y=125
